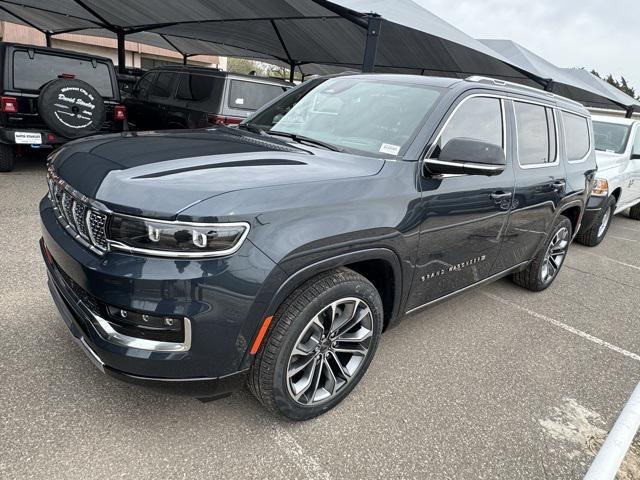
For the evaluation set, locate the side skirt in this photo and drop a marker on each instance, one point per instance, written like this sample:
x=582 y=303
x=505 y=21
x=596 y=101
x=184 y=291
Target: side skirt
x=490 y=279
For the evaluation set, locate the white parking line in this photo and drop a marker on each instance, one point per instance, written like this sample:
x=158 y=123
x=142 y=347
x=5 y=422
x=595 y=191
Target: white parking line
x=311 y=468
x=632 y=229
x=564 y=326
x=611 y=455
x=611 y=260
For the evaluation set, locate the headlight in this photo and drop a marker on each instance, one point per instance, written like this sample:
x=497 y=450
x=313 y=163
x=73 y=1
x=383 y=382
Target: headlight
x=600 y=188
x=176 y=239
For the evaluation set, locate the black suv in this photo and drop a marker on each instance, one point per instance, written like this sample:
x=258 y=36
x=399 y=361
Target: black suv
x=171 y=97
x=280 y=250
x=49 y=96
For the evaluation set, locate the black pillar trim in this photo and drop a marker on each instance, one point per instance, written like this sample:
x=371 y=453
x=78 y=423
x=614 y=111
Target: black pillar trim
x=374 y=25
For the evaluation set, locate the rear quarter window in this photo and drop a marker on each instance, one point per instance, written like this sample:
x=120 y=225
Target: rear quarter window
x=576 y=130
x=34 y=73
x=252 y=95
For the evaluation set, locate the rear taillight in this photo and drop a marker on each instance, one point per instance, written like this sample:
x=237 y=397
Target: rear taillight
x=9 y=104
x=223 y=120
x=120 y=112
x=67 y=76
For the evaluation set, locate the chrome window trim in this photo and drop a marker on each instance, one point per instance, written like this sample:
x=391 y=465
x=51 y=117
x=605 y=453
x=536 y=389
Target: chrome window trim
x=591 y=138
x=556 y=162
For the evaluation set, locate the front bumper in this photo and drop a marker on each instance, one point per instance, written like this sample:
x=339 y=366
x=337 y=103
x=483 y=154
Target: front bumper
x=594 y=206
x=219 y=296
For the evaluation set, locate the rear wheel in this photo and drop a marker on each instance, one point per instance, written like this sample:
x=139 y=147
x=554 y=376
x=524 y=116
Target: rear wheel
x=319 y=346
x=634 y=212
x=596 y=233
x=7 y=157
x=543 y=270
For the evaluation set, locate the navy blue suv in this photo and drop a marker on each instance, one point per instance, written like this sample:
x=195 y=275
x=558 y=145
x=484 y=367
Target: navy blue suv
x=276 y=252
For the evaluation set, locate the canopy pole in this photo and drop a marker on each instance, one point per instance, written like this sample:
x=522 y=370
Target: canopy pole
x=185 y=57
x=122 y=59
x=47 y=38
x=629 y=112
x=292 y=71
x=549 y=85
x=374 y=24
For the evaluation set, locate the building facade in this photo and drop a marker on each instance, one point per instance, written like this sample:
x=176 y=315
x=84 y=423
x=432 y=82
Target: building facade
x=137 y=54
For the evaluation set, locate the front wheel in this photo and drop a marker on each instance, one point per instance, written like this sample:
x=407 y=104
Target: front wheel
x=595 y=234
x=634 y=212
x=319 y=346
x=544 y=268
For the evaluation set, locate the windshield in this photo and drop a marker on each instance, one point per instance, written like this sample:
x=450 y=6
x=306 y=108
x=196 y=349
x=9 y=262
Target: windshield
x=611 y=137
x=361 y=114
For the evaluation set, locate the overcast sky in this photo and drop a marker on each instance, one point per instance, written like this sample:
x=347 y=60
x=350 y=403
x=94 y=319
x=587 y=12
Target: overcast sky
x=599 y=34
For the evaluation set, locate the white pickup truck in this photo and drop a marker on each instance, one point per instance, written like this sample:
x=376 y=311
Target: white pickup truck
x=617 y=143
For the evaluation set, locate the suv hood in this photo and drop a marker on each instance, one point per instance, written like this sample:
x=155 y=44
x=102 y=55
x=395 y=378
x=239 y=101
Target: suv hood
x=607 y=160
x=160 y=174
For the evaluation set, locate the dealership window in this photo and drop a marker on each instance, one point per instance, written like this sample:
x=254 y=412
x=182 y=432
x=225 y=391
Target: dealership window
x=252 y=95
x=478 y=118
x=163 y=86
x=197 y=88
x=576 y=130
x=31 y=73
x=537 y=140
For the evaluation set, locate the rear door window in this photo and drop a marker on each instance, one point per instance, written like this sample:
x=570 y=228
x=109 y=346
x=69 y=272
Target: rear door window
x=196 y=88
x=163 y=86
x=537 y=139
x=252 y=95
x=33 y=73
x=576 y=130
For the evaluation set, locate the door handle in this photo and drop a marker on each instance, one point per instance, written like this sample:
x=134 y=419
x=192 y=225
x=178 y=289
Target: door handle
x=559 y=185
x=497 y=196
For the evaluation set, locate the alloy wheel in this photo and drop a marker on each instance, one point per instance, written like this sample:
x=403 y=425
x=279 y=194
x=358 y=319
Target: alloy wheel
x=555 y=255
x=330 y=351
x=605 y=222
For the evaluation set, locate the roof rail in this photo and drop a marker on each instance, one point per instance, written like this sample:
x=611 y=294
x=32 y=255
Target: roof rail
x=504 y=83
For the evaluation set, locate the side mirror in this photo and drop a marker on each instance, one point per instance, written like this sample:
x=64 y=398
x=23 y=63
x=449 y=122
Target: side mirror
x=635 y=156
x=464 y=156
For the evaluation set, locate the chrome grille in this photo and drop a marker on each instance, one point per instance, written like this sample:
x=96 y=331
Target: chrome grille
x=78 y=214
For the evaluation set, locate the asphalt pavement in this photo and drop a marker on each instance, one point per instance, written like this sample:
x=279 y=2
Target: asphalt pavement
x=496 y=383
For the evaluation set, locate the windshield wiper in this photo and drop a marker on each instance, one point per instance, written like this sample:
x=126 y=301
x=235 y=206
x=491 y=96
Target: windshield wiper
x=251 y=128
x=302 y=139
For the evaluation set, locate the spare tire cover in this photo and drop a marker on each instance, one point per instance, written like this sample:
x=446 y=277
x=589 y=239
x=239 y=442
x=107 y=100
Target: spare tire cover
x=71 y=108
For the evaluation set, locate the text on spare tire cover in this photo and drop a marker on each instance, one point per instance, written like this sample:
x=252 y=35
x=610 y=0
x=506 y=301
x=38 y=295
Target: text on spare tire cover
x=74 y=107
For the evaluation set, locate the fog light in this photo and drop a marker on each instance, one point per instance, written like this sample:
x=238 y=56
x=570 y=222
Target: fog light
x=144 y=321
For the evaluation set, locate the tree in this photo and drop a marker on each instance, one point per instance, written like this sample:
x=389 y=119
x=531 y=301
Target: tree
x=621 y=84
x=246 y=66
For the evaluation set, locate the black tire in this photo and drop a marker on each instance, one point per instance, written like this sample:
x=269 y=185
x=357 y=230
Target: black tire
x=71 y=108
x=634 y=212
x=7 y=157
x=592 y=236
x=533 y=278
x=268 y=376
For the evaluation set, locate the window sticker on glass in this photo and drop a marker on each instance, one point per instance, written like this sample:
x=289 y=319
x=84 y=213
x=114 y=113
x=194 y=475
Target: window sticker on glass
x=239 y=101
x=389 y=149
